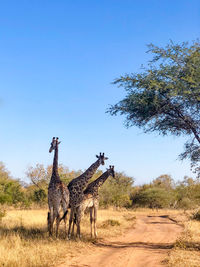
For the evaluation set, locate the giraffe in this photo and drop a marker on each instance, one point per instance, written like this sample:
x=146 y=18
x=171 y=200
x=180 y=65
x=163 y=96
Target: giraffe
x=77 y=186
x=91 y=200
x=58 y=193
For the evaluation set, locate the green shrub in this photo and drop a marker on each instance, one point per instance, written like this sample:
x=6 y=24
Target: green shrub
x=40 y=196
x=152 y=197
x=116 y=192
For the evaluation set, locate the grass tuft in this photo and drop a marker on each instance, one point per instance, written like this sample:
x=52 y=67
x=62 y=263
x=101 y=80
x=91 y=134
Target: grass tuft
x=110 y=222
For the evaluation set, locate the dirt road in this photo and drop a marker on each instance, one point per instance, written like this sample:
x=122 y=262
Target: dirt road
x=145 y=245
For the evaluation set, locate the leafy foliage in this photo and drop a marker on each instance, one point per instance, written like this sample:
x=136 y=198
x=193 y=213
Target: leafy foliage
x=116 y=191
x=152 y=197
x=40 y=196
x=166 y=97
x=10 y=189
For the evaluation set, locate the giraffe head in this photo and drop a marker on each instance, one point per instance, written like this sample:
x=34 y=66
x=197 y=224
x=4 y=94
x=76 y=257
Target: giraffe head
x=111 y=171
x=54 y=143
x=101 y=158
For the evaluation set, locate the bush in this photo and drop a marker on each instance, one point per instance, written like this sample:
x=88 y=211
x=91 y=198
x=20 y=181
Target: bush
x=116 y=192
x=186 y=203
x=152 y=198
x=40 y=196
x=10 y=191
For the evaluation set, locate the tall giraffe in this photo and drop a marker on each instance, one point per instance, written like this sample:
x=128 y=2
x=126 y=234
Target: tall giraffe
x=91 y=200
x=77 y=186
x=58 y=193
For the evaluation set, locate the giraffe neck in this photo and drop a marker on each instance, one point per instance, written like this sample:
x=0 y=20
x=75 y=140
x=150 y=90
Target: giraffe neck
x=55 y=176
x=91 y=170
x=94 y=186
x=84 y=178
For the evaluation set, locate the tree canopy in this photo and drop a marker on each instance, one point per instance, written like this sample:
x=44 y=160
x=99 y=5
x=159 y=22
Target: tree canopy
x=165 y=97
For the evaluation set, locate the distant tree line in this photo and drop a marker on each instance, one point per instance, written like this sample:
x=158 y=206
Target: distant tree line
x=162 y=192
x=115 y=192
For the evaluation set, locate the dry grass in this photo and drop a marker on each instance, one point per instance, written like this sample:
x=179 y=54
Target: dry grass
x=187 y=248
x=24 y=239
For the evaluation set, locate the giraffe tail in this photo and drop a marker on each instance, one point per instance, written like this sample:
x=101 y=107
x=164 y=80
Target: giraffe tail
x=75 y=218
x=48 y=216
x=64 y=215
x=48 y=221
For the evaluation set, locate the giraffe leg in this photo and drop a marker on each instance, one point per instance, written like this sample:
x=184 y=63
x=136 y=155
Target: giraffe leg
x=70 y=222
x=73 y=224
x=65 y=211
x=78 y=223
x=91 y=219
x=50 y=219
x=57 y=223
x=65 y=222
x=79 y=215
x=95 y=220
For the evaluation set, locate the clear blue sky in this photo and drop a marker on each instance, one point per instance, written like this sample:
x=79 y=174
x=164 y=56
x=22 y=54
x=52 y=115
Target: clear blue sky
x=57 y=62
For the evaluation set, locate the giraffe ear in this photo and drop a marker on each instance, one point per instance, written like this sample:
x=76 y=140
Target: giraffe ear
x=97 y=156
x=59 y=142
x=106 y=158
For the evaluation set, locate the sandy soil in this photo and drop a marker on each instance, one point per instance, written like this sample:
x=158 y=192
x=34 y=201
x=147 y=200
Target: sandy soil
x=145 y=245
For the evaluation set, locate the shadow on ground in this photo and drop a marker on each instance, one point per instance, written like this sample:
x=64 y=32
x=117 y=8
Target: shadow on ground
x=148 y=245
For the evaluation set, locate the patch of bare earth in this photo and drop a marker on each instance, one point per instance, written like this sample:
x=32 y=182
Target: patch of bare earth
x=145 y=245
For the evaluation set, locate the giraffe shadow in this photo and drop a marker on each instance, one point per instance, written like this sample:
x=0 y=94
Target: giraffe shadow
x=25 y=233
x=30 y=233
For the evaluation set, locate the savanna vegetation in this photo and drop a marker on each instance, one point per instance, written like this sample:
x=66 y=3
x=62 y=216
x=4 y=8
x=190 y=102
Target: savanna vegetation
x=118 y=192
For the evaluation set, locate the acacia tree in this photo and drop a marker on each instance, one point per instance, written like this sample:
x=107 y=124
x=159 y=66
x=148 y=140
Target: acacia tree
x=165 y=97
